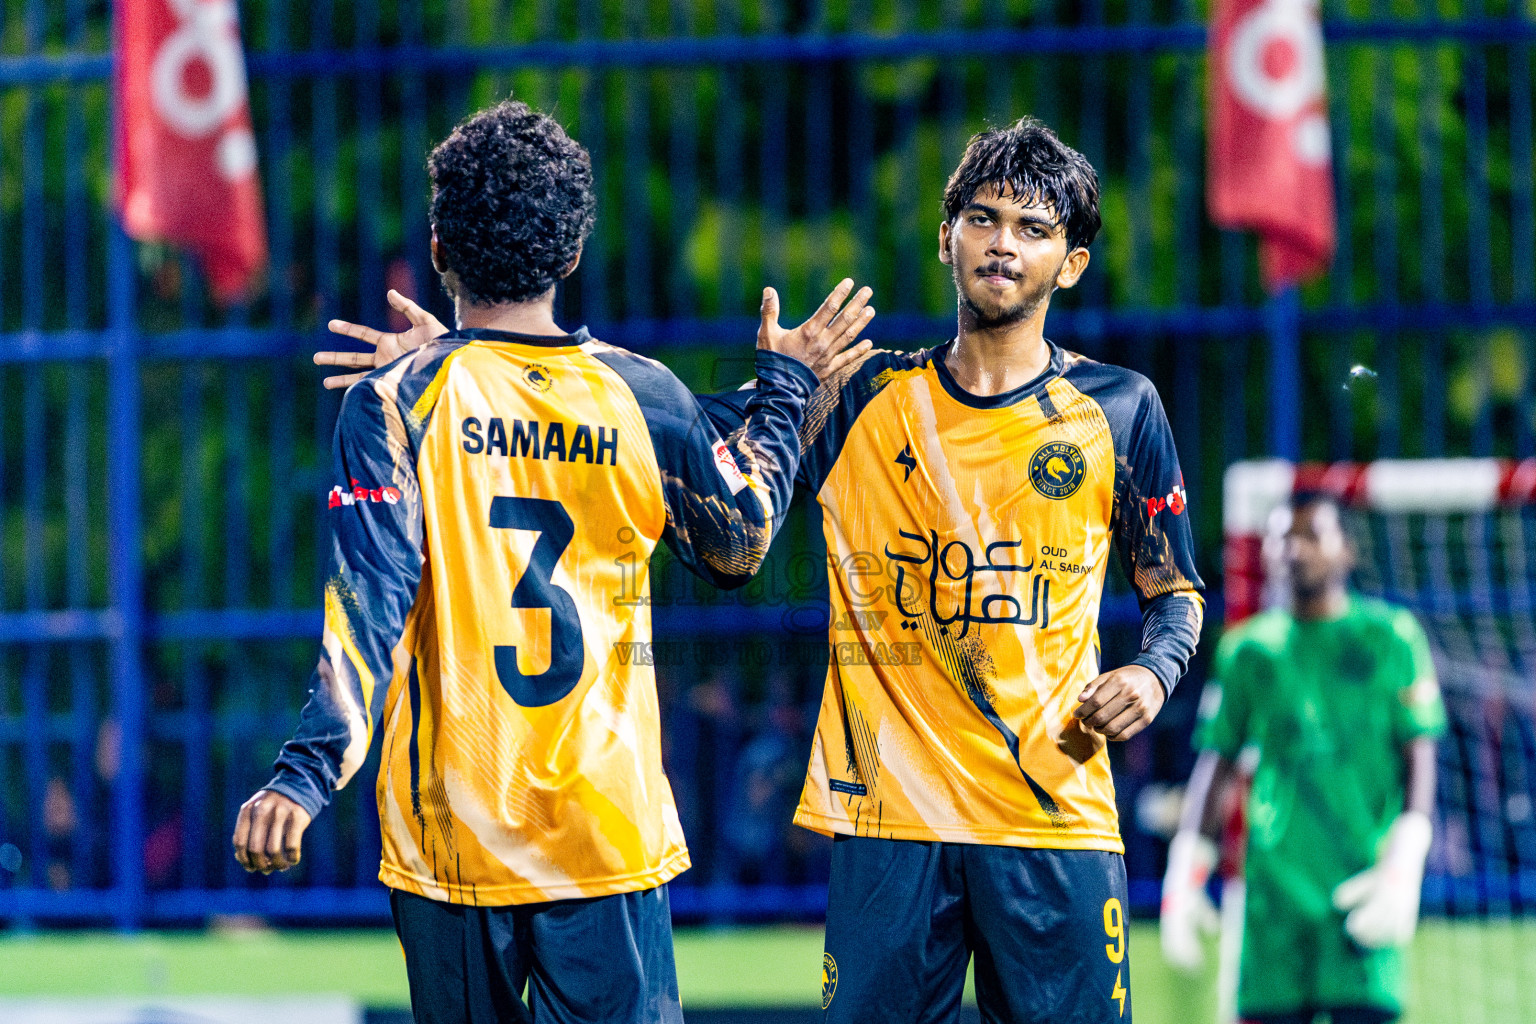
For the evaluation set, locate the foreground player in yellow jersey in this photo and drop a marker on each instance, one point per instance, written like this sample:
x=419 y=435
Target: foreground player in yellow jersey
x=488 y=485
x=972 y=495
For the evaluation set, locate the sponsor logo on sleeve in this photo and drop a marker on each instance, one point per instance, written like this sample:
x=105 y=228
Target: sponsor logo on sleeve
x=726 y=464
x=359 y=494
x=1174 y=501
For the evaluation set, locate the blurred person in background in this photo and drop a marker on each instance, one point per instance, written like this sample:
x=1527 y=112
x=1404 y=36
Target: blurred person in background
x=766 y=783
x=1334 y=703
x=486 y=486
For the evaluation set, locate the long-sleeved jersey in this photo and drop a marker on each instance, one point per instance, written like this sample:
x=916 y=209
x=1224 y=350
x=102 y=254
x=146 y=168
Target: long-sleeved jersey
x=497 y=499
x=967 y=541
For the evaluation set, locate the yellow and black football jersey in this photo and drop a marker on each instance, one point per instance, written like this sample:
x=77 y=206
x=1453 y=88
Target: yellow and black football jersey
x=967 y=541
x=497 y=500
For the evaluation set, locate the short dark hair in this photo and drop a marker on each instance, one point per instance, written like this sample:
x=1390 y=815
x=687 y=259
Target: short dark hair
x=1029 y=161
x=512 y=203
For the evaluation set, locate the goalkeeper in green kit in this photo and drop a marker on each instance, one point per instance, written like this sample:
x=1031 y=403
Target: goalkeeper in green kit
x=1333 y=705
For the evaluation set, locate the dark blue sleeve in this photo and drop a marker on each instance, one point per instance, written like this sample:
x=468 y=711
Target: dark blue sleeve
x=723 y=497
x=1170 y=632
x=829 y=415
x=374 y=566
x=1154 y=539
x=1151 y=518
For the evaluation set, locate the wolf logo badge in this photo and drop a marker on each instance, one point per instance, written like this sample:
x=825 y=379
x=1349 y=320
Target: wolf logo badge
x=828 y=979
x=1057 y=469
x=538 y=377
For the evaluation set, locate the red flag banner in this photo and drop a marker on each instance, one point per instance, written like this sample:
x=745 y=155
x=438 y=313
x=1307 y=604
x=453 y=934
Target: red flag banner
x=186 y=155
x=1271 y=164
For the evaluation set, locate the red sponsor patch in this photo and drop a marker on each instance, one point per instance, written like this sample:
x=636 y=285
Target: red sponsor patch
x=351 y=496
x=1174 y=501
x=726 y=464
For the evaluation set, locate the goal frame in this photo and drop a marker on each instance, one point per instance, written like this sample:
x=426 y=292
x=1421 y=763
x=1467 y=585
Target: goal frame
x=1253 y=489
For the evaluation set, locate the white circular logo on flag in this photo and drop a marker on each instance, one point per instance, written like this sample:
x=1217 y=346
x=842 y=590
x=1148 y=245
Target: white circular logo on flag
x=207 y=36
x=1275 y=58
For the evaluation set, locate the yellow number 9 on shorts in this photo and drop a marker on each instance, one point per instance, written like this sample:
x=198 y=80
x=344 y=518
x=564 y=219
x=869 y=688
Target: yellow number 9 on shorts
x=1114 y=927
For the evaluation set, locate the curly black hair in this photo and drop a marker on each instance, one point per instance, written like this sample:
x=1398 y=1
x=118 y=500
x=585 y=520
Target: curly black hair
x=1027 y=160
x=512 y=203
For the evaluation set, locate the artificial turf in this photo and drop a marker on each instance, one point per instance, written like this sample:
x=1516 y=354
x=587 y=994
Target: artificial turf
x=1463 y=973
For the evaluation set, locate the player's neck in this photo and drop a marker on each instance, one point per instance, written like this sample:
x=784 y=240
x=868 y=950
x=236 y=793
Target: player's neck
x=536 y=317
x=1330 y=603
x=993 y=360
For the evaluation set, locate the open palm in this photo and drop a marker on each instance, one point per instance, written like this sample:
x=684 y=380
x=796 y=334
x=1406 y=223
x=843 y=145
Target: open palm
x=387 y=346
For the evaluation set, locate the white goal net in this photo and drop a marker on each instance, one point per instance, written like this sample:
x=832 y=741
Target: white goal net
x=1455 y=541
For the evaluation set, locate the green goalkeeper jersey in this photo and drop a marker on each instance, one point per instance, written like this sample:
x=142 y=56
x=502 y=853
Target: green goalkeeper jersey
x=1326 y=708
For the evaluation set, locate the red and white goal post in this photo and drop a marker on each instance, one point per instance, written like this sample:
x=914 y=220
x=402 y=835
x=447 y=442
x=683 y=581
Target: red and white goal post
x=1460 y=536
x=1253 y=490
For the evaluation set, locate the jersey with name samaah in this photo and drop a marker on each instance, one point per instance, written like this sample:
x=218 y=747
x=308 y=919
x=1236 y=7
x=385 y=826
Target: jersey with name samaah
x=488 y=593
x=967 y=542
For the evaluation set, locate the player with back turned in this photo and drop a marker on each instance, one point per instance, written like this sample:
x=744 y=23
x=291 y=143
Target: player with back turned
x=487 y=485
x=972 y=496
x=1335 y=703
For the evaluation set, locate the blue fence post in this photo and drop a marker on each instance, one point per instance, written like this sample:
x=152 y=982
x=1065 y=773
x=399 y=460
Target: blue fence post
x=1282 y=322
x=125 y=586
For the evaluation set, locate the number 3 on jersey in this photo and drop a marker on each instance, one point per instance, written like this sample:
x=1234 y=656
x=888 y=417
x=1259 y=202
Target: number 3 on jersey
x=537 y=589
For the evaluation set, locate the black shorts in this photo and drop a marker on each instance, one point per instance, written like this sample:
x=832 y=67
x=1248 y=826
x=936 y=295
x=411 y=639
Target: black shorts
x=603 y=959
x=1047 y=928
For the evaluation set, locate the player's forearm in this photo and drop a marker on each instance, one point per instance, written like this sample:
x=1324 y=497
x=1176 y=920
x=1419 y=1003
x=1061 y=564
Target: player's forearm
x=768 y=448
x=1170 y=631
x=1206 y=795
x=304 y=774
x=365 y=613
x=311 y=764
x=724 y=536
x=372 y=576
x=1419 y=777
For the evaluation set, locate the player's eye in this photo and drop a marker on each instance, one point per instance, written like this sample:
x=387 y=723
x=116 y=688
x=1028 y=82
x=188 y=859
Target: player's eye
x=980 y=220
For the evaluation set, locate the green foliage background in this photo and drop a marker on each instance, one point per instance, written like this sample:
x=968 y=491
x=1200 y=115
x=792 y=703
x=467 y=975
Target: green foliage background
x=714 y=179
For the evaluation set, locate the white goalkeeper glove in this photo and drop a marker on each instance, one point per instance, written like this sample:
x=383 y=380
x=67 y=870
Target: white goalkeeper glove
x=1382 y=902
x=1187 y=912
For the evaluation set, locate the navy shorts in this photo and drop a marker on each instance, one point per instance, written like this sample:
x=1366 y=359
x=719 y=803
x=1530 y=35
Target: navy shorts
x=1047 y=929
x=603 y=959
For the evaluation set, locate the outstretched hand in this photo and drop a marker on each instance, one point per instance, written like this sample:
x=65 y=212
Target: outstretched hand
x=823 y=341
x=387 y=347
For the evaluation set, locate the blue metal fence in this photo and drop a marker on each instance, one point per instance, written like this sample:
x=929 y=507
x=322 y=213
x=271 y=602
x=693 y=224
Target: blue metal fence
x=162 y=462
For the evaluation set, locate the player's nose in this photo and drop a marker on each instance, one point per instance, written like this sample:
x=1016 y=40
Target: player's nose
x=1003 y=249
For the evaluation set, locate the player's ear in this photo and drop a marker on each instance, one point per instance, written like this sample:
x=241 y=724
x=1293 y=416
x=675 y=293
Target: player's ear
x=944 y=256
x=444 y=272
x=570 y=268
x=1072 y=268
